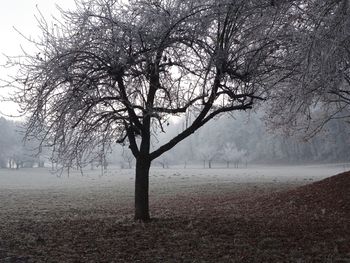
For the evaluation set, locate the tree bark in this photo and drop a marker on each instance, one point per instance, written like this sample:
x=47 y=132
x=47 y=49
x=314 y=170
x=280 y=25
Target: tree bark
x=142 y=189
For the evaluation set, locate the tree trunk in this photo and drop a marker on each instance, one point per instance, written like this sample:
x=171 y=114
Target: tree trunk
x=141 y=189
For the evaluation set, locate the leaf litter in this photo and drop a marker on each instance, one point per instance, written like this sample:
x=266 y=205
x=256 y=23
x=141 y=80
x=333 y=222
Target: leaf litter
x=247 y=222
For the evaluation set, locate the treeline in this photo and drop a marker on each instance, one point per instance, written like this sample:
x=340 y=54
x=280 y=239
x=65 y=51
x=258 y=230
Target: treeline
x=245 y=138
x=14 y=153
x=228 y=141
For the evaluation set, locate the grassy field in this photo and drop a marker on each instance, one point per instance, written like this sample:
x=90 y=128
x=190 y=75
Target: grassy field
x=255 y=214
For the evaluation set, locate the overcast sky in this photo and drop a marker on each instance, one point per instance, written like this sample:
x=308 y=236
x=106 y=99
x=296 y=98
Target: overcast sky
x=21 y=15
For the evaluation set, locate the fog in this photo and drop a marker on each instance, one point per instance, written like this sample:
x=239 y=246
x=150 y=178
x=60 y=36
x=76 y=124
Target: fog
x=176 y=177
x=234 y=149
x=237 y=141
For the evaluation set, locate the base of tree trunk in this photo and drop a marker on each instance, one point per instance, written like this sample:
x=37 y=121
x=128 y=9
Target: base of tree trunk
x=144 y=219
x=141 y=190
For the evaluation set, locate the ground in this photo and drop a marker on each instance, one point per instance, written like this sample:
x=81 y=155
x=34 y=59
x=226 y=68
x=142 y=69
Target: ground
x=255 y=214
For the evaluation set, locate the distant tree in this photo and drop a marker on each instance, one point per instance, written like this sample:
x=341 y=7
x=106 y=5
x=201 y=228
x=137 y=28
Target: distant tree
x=164 y=161
x=6 y=142
x=116 y=71
x=13 y=153
x=207 y=153
x=230 y=153
x=128 y=157
x=23 y=155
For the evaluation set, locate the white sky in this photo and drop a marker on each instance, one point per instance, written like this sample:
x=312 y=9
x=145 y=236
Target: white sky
x=21 y=15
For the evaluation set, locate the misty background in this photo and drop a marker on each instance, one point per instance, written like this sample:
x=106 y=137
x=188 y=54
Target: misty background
x=232 y=141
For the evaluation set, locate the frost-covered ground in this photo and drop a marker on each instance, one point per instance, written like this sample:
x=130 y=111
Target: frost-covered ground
x=201 y=215
x=42 y=178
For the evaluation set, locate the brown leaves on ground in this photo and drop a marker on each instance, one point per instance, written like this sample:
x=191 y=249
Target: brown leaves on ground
x=331 y=195
x=216 y=223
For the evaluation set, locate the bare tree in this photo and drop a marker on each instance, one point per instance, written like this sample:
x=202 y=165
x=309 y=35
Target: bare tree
x=230 y=153
x=207 y=153
x=112 y=71
x=128 y=157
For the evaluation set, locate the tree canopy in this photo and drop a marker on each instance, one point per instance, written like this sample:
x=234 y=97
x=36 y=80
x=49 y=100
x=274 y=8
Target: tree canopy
x=114 y=71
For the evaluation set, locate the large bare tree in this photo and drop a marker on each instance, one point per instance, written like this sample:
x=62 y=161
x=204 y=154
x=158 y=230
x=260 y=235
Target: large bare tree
x=116 y=71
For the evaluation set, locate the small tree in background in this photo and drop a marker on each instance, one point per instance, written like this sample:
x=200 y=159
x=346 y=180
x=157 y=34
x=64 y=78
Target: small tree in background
x=230 y=154
x=128 y=157
x=116 y=71
x=207 y=153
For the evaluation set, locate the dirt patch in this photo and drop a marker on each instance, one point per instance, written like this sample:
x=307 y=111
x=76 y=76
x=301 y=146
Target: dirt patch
x=276 y=222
